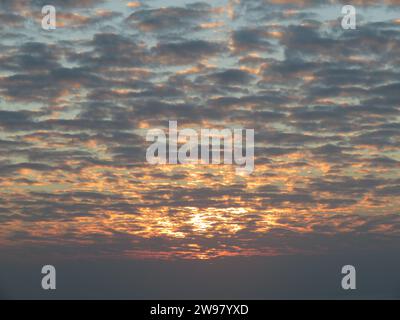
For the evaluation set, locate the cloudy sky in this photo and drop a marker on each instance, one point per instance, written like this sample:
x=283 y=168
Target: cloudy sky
x=76 y=103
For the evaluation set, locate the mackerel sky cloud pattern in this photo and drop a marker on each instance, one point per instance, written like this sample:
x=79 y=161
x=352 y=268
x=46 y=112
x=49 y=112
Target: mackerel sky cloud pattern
x=76 y=102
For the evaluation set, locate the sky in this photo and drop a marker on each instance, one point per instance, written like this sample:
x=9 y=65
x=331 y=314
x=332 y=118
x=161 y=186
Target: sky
x=76 y=189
